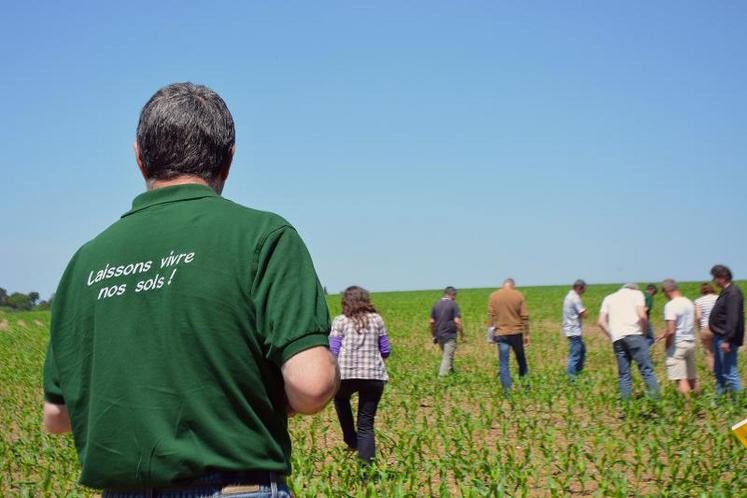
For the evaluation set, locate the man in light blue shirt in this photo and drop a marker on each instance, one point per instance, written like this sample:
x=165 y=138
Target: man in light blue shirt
x=574 y=312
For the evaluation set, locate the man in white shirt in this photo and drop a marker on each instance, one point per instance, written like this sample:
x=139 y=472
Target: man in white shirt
x=679 y=315
x=623 y=319
x=574 y=312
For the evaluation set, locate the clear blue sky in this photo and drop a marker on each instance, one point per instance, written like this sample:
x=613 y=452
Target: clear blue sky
x=413 y=144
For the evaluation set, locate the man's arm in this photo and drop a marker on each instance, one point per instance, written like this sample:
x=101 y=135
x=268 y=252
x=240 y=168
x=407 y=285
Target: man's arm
x=603 y=324
x=732 y=319
x=459 y=326
x=668 y=335
x=311 y=379
x=582 y=312
x=55 y=419
x=524 y=314
x=698 y=316
x=642 y=318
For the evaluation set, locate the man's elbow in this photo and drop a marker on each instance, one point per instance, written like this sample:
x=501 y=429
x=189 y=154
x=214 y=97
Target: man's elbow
x=314 y=397
x=55 y=419
x=311 y=380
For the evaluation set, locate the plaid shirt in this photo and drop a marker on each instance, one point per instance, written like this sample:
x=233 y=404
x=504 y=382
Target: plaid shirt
x=359 y=356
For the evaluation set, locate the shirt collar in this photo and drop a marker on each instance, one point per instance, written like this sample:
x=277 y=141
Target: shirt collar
x=165 y=195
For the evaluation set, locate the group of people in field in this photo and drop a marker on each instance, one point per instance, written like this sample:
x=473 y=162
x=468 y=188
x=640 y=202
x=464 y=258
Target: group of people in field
x=184 y=390
x=359 y=341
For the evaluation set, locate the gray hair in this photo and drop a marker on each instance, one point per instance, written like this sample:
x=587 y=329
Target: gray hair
x=509 y=281
x=631 y=285
x=185 y=129
x=579 y=284
x=669 y=285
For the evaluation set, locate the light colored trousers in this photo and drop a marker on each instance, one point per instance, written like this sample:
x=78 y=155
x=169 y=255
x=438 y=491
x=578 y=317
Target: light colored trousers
x=448 y=349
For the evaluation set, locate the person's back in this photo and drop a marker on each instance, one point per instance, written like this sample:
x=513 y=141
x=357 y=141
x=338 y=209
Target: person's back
x=507 y=311
x=444 y=314
x=622 y=308
x=622 y=318
x=445 y=321
x=682 y=311
x=359 y=340
x=679 y=317
x=704 y=304
x=509 y=319
x=195 y=336
x=360 y=348
x=183 y=333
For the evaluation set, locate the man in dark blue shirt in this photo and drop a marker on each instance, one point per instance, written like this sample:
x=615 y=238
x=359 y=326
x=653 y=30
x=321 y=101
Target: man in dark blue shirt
x=445 y=321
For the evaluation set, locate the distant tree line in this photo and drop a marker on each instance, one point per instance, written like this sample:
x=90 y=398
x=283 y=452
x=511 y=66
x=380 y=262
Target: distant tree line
x=19 y=301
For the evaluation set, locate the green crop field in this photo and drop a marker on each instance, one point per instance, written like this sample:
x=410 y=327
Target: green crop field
x=456 y=437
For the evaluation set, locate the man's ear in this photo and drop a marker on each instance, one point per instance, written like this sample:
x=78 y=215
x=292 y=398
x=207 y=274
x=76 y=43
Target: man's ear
x=227 y=168
x=136 y=149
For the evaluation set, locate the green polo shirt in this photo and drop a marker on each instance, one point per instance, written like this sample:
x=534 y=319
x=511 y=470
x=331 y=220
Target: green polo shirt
x=168 y=333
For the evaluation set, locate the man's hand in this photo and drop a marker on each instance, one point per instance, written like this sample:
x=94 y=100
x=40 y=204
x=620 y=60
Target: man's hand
x=725 y=347
x=526 y=340
x=603 y=324
x=56 y=419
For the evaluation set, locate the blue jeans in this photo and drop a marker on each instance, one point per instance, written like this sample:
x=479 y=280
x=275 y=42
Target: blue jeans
x=208 y=486
x=576 y=355
x=725 y=367
x=505 y=344
x=634 y=348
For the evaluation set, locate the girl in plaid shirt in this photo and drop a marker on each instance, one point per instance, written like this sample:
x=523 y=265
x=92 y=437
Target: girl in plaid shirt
x=359 y=341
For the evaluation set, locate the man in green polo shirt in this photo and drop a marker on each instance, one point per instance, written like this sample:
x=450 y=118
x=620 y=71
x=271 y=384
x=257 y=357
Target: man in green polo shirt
x=184 y=334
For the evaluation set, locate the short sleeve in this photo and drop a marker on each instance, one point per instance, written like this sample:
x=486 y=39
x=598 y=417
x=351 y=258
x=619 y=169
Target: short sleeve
x=337 y=327
x=380 y=326
x=639 y=299
x=51 y=380
x=669 y=313
x=292 y=314
x=605 y=306
x=457 y=312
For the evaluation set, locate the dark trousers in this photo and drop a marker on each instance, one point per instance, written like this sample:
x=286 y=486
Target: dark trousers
x=369 y=394
x=505 y=344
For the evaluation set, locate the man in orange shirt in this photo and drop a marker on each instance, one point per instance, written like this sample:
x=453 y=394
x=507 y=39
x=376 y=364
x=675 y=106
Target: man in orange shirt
x=507 y=313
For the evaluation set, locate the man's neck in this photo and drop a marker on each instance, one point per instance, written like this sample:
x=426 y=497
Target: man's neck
x=179 y=180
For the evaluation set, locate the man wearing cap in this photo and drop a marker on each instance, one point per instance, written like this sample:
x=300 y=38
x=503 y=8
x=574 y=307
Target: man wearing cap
x=574 y=312
x=679 y=316
x=623 y=319
x=184 y=334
